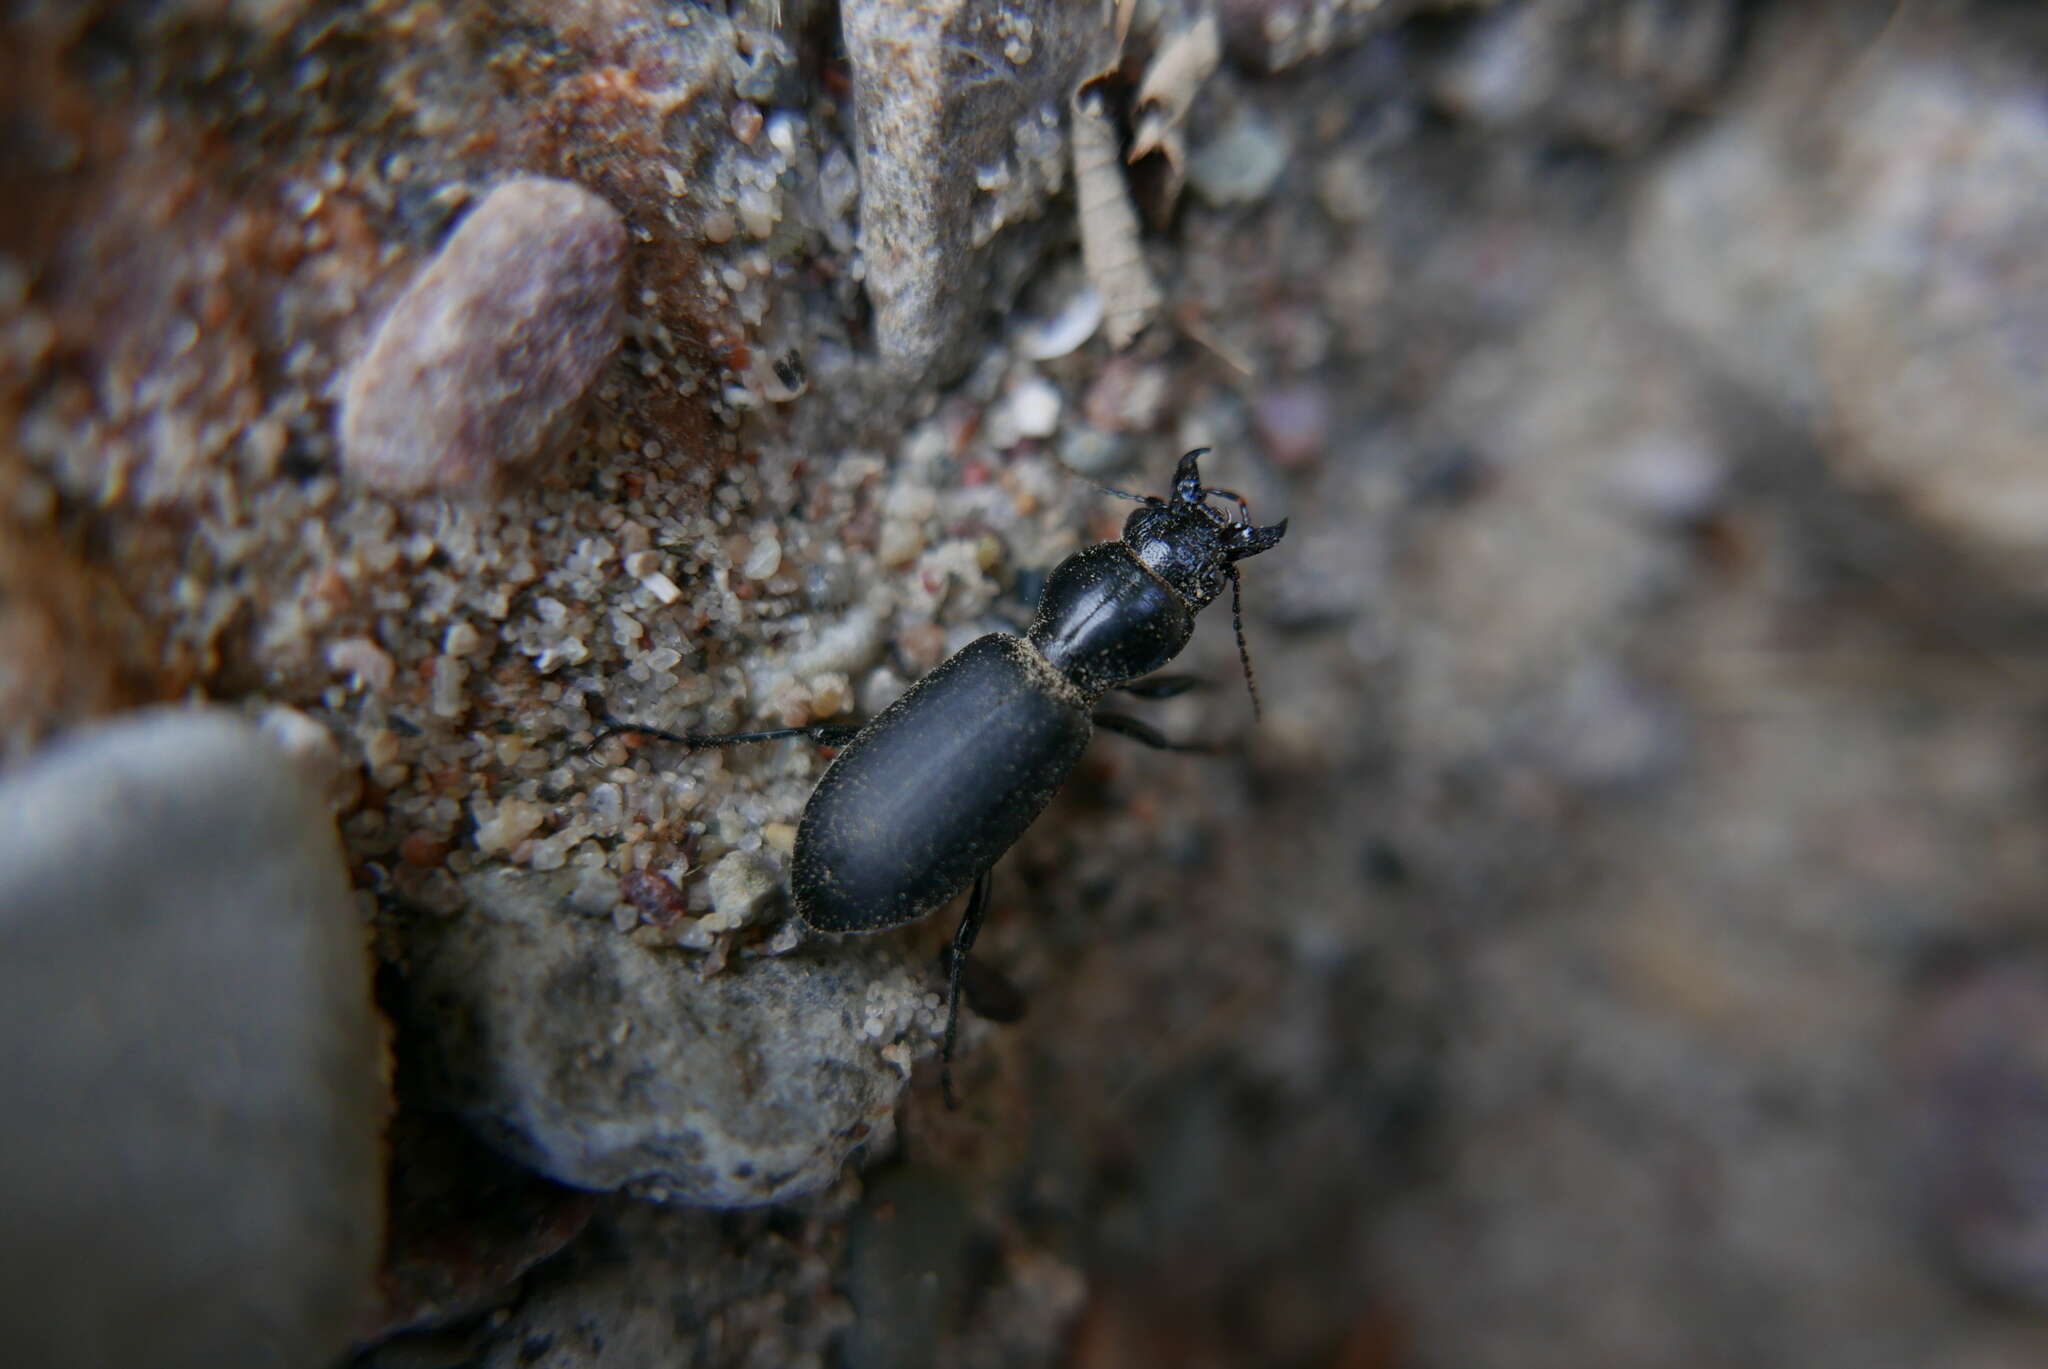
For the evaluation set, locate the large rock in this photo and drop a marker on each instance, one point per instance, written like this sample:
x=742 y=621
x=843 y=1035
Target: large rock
x=1872 y=262
x=191 y=1109
x=604 y=1063
x=960 y=109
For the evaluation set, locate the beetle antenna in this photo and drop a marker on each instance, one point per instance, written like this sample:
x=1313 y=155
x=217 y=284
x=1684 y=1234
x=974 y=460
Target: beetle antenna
x=1152 y=499
x=1237 y=625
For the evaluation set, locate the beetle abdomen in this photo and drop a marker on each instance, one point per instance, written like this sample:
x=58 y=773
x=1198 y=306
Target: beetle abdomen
x=937 y=787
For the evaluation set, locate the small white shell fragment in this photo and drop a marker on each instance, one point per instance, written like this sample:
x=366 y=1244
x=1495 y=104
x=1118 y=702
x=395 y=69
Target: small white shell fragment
x=1058 y=336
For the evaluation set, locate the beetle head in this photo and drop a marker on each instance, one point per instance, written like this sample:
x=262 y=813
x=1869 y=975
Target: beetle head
x=1188 y=542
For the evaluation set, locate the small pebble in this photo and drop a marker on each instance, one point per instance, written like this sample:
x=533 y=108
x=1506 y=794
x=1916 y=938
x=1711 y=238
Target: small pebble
x=368 y=665
x=742 y=885
x=1035 y=408
x=449 y=699
x=655 y=896
x=760 y=211
x=830 y=695
x=764 y=558
x=381 y=747
x=461 y=640
x=661 y=587
x=900 y=542
x=597 y=891
x=1241 y=165
x=746 y=122
x=477 y=374
x=512 y=823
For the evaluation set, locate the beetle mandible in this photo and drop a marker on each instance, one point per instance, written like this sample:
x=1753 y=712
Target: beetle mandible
x=931 y=792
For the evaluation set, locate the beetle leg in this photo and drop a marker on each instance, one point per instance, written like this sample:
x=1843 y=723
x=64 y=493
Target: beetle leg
x=1149 y=500
x=1163 y=686
x=1143 y=731
x=963 y=941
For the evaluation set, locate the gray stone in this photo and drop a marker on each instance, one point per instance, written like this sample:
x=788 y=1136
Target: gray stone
x=477 y=374
x=190 y=1162
x=959 y=108
x=604 y=1063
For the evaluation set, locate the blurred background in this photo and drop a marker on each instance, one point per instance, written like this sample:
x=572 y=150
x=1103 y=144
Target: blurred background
x=1620 y=940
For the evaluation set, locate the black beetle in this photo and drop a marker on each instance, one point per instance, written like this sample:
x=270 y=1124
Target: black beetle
x=930 y=793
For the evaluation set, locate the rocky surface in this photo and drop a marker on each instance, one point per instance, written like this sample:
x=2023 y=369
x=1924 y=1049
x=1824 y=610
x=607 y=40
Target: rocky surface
x=604 y=1063
x=1605 y=949
x=690 y=1284
x=192 y=1159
